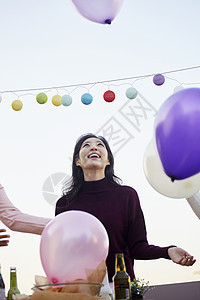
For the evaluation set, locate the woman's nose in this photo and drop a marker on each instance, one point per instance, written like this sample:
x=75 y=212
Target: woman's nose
x=93 y=147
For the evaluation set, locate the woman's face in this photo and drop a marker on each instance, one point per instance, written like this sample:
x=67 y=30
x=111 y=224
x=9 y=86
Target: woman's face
x=93 y=155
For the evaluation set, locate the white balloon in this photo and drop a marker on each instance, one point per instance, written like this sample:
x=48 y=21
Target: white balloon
x=157 y=178
x=194 y=202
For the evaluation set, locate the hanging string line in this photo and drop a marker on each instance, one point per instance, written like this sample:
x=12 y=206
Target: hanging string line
x=100 y=82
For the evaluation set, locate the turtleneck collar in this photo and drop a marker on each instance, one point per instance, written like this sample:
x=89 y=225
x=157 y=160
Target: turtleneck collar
x=95 y=186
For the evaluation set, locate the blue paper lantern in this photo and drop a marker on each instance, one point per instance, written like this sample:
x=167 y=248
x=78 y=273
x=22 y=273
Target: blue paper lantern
x=86 y=98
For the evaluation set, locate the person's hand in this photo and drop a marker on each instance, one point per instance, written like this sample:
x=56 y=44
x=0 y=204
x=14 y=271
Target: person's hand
x=180 y=256
x=3 y=242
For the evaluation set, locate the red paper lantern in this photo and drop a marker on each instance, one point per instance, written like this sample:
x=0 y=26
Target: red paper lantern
x=109 y=96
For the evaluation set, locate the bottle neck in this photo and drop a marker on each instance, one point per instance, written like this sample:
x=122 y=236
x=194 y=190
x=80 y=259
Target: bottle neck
x=13 y=278
x=120 y=263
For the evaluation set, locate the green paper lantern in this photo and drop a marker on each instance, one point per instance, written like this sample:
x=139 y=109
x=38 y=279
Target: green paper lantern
x=41 y=98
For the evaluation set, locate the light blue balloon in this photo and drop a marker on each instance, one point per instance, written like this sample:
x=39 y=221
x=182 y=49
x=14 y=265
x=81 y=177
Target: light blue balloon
x=131 y=93
x=86 y=98
x=66 y=100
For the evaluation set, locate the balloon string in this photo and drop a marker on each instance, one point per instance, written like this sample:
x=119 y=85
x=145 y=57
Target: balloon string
x=98 y=82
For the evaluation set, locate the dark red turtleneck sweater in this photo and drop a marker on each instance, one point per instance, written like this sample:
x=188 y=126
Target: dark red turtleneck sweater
x=118 y=208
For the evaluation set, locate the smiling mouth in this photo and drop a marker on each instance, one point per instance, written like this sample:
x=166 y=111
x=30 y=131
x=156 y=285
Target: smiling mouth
x=94 y=155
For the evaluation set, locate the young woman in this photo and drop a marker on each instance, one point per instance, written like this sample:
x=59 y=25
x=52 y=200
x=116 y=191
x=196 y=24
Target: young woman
x=95 y=189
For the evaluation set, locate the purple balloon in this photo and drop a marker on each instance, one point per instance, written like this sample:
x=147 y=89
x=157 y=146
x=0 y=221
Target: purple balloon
x=177 y=130
x=99 y=11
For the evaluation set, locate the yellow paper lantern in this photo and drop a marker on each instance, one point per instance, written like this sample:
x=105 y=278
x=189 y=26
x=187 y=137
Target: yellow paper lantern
x=56 y=100
x=17 y=105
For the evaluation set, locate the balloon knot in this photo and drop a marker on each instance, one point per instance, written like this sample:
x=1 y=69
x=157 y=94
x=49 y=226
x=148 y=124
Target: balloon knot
x=173 y=179
x=108 y=21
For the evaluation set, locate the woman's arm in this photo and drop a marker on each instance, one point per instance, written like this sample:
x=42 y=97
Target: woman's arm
x=16 y=220
x=142 y=250
x=137 y=235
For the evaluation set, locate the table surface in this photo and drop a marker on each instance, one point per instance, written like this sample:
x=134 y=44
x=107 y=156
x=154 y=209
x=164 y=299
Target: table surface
x=175 y=291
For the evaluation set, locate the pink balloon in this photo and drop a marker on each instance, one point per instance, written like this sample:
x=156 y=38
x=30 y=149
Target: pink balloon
x=70 y=243
x=99 y=11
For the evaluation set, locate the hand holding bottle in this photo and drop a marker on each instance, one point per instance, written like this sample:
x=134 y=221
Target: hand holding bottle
x=4 y=242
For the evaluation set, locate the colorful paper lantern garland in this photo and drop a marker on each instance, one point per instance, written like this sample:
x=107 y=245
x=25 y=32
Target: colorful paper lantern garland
x=87 y=98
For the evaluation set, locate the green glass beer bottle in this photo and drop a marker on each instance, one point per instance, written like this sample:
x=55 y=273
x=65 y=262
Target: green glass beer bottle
x=2 y=287
x=121 y=279
x=13 y=283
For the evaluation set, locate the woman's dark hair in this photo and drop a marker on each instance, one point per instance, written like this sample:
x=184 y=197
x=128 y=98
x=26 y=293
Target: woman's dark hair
x=73 y=186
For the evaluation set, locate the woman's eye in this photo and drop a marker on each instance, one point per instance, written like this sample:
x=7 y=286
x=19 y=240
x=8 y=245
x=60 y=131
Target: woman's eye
x=86 y=144
x=100 y=144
